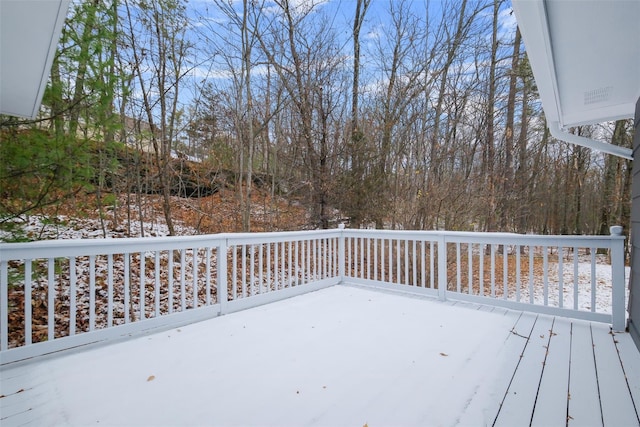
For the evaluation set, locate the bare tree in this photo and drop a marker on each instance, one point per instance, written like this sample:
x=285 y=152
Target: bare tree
x=156 y=34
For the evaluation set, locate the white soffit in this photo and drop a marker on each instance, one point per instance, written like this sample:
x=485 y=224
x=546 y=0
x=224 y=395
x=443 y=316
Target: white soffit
x=585 y=56
x=29 y=33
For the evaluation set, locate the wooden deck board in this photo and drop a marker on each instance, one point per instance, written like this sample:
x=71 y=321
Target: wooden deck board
x=584 y=399
x=630 y=359
x=551 y=402
x=520 y=397
x=615 y=398
x=514 y=345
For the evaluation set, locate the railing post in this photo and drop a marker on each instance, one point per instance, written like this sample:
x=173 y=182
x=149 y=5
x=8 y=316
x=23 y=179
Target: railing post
x=617 y=278
x=222 y=275
x=341 y=254
x=442 y=267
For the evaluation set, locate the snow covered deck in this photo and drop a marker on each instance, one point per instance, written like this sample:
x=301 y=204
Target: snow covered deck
x=343 y=355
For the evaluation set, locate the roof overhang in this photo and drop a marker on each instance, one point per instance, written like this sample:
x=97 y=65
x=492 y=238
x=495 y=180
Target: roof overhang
x=29 y=33
x=585 y=56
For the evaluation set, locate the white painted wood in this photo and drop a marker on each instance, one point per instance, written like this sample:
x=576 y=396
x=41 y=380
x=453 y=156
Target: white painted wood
x=575 y=278
x=194 y=280
x=157 y=284
x=92 y=292
x=617 y=405
x=553 y=392
x=517 y=408
x=170 y=281
x=630 y=360
x=584 y=397
x=142 y=279
x=51 y=293
x=515 y=342
x=28 y=302
x=72 y=295
x=183 y=278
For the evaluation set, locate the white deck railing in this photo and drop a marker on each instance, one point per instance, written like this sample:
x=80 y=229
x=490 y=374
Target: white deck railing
x=56 y=295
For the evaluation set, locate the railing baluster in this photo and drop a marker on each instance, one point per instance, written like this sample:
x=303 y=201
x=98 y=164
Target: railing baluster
x=493 y=271
x=51 y=293
x=432 y=273
x=423 y=272
x=414 y=265
x=391 y=261
x=406 y=262
x=157 y=284
x=142 y=286
x=183 y=277
x=308 y=270
x=576 y=279
x=398 y=265
x=127 y=272
x=194 y=276
x=285 y=262
x=314 y=248
x=560 y=276
x=28 y=302
x=208 y=273
x=470 y=258
x=243 y=254
x=593 y=280
x=368 y=258
x=109 y=290
x=4 y=305
x=458 y=272
x=269 y=264
x=518 y=272
x=260 y=270
x=531 y=261
x=383 y=248
x=545 y=268
x=72 y=296
x=505 y=272
x=481 y=271
x=276 y=264
x=92 y=292
x=252 y=283
x=292 y=262
x=170 y=281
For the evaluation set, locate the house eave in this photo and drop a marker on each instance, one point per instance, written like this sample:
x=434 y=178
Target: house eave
x=584 y=59
x=29 y=34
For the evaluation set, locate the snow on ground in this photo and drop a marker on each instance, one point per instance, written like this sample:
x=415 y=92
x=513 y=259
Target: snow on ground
x=62 y=227
x=378 y=359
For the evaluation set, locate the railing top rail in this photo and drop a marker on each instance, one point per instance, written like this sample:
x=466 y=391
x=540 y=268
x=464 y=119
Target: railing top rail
x=80 y=247
x=489 y=237
x=267 y=237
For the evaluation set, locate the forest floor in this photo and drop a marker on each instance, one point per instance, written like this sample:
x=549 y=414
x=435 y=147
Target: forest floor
x=131 y=216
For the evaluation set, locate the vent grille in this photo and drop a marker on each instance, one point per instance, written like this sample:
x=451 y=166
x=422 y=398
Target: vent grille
x=598 y=95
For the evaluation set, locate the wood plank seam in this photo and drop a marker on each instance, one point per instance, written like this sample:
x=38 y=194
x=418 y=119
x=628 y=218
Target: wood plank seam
x=595 y=362
x=569 y=373
x=544 y=362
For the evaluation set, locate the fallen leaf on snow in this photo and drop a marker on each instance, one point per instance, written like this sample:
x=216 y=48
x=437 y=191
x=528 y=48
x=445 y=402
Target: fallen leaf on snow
x=151 y=378
x=443 y=354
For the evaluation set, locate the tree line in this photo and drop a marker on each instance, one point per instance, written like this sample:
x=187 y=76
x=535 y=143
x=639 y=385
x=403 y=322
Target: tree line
x=386 y=113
